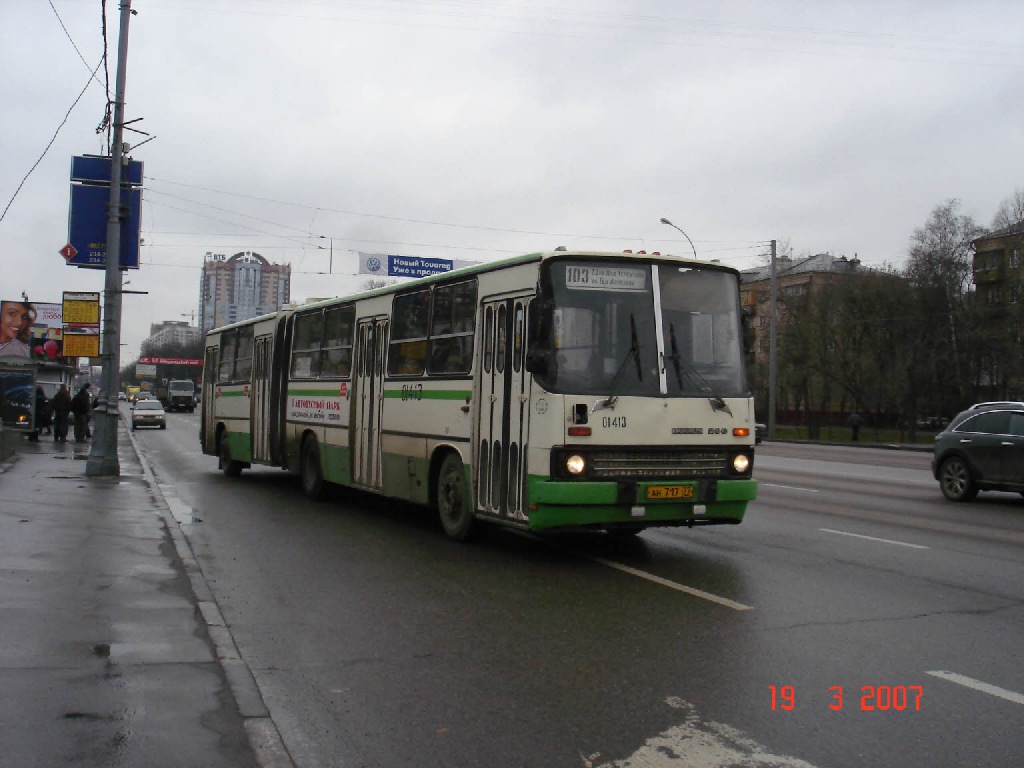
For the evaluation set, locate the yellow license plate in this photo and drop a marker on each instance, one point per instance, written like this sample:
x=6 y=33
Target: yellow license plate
x=669 y=491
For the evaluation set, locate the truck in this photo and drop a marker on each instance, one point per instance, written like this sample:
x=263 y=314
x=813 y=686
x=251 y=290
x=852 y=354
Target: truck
x=178 y=394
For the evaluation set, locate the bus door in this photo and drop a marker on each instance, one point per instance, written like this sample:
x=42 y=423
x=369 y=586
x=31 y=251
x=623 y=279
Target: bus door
x=367 y=402
x=208 y=433
x=259 y=402
x=502 y=419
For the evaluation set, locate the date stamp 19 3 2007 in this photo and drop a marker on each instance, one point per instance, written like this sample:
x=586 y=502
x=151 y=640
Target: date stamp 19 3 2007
x=884 y=698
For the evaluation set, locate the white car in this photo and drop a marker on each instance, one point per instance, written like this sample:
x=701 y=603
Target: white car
x=148 y=413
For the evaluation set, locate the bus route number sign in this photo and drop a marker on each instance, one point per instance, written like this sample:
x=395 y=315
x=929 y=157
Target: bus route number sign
x=592 y=278
x=658 y=492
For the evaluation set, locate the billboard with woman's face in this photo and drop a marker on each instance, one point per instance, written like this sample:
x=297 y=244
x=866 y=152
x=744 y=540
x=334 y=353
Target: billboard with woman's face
x=32 y=330
x=16 y=321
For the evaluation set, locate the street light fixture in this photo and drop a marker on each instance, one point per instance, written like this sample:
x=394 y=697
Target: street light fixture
x=666 y=221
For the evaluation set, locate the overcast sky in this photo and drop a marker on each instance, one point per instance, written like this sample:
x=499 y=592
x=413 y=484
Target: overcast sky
x=474 y=130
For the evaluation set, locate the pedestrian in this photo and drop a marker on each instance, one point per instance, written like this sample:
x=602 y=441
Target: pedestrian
x=61 y=410
x=854 y=422
x=16 y=318
x=41 y=414
x=81 y=403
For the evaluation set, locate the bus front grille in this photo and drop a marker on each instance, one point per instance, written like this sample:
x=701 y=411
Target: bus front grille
x=656 y=464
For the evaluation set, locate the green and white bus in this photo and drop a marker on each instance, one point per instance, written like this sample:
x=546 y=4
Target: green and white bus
x=551 y=391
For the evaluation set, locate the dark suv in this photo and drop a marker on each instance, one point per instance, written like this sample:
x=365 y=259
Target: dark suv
x=982 y=449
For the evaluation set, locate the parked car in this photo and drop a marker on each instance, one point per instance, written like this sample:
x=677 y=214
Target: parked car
x=148 y=413
x=760 y=432
x=982 y=449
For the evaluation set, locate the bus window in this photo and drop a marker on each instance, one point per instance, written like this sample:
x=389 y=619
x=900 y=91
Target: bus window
x=243 y=355
x=451 y=330
x=407 y=354
x=488 y=338
x=517 y=339
x=337 y=351
x=499 y=352
x=228 y=342
x=306 y=345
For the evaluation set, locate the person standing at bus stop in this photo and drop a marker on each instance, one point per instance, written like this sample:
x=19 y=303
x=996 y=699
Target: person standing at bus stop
x=61 y=412
x=81 y=403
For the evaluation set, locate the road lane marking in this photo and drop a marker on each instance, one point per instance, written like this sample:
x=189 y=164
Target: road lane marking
x=698 y=743
x=673 y=585
x=875 y=538
x=977 y=685
x=792 y=487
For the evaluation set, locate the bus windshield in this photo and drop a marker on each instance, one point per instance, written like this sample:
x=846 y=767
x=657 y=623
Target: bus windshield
x=656 y=329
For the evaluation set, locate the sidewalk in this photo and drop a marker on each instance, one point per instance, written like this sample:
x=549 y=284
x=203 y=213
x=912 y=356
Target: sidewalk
x=112 y=650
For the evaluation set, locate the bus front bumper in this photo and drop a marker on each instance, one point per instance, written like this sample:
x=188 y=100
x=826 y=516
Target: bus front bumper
x=559 y=504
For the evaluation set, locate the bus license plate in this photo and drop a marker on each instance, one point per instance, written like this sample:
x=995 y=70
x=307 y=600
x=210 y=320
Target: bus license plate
x=669 y=491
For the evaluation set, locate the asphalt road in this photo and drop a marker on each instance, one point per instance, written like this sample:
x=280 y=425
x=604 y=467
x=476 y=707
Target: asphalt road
x=855 y=618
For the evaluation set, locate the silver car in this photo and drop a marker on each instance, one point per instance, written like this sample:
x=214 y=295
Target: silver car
x=148 y=413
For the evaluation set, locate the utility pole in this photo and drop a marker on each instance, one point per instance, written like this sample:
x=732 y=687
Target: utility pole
x=772 y=340
x=103 y=459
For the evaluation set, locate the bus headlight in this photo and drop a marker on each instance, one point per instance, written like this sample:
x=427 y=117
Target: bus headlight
x=575 y=464
x=741 y=463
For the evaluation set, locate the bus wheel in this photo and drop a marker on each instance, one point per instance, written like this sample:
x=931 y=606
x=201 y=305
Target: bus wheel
x=229 y=466
x=457 y=518
x=309 y=470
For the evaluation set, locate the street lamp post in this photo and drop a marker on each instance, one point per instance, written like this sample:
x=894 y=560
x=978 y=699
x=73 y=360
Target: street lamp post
x=666 y=221
x=103 y=459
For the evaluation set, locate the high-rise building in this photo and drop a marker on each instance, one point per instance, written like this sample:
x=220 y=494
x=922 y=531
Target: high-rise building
x=240 y=287
x=167 y=333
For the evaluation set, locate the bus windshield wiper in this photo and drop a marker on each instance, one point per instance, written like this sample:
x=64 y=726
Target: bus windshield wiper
x=633 y=352
x=679 y=364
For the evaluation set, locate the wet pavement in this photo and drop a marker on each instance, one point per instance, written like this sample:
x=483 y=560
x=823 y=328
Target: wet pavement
x=112 y=649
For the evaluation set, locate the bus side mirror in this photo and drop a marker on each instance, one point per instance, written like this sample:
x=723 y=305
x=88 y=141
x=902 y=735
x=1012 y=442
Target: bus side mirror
x=538 y=316
x=538 y=362
x=538 y=334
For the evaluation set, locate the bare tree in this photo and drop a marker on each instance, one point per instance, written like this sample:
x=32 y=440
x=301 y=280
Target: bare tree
x=940 y=269
x=377 y=282
x=1010 y=211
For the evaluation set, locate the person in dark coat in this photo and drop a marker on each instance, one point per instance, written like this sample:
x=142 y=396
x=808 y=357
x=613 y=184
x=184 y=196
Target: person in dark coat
x=81 y=404
x=61 y=411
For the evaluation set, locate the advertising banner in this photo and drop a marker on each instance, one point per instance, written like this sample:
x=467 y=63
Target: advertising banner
x=390 y=265
x=16 y=320
x=172 y=360
x=17 y=397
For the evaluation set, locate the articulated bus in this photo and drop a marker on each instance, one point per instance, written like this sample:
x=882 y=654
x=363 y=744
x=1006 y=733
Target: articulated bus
x=549 y=392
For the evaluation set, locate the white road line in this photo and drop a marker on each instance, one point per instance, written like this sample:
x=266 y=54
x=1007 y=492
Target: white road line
x=791 y=487
x=875 y=538
x=977 y=685
x=673 y=585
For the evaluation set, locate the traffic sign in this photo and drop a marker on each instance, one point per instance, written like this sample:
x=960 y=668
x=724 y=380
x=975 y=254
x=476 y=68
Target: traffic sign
x=87 y=226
